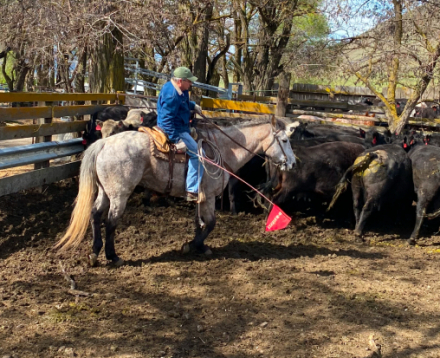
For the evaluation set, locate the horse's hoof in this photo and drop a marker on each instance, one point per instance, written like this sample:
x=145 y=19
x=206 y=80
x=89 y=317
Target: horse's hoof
x=358 y=238
x=208 y=252
x=119 y=263
x=411 y=242
x=93 y=259
x=185 y=249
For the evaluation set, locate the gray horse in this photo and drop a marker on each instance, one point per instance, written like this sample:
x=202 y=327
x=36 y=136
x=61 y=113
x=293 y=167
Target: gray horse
x=114 y=166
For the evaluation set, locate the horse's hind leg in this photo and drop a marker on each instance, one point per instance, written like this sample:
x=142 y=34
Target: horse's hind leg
x=101 y=204
x=204 y=225
x=117 y=207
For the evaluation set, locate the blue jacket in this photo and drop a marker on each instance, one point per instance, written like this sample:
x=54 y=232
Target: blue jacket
x=173 y=111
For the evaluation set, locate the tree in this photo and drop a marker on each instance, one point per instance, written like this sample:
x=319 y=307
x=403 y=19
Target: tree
x=63 y=43
x=401 y=49
x=264 y=31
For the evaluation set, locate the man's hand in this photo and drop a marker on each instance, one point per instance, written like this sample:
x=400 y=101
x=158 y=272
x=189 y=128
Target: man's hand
x=198 y=109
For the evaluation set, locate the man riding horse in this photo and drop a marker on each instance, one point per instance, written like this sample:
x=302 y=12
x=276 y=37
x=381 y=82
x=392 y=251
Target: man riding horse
x=173 y=117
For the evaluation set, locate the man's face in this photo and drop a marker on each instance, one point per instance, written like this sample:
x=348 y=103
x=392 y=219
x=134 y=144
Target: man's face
x=185 y=84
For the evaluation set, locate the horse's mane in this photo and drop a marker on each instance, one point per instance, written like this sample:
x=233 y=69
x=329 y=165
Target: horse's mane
x=238 y=122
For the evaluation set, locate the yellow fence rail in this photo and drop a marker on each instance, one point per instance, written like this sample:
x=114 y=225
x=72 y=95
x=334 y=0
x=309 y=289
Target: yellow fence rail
x=54 y=97
x=238 y=106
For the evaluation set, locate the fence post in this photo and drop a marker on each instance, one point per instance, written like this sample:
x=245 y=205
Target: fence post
x=47 y=138
x=136 y=77
x=230 y=91
x=283 y=94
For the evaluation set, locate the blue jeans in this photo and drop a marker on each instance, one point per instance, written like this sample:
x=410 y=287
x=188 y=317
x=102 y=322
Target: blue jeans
x=192 y=183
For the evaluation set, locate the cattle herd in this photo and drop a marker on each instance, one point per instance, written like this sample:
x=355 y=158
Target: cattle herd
x=337 y=167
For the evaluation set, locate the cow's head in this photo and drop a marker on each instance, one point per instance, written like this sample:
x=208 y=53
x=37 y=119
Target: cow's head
x=111 y=127
x=91 y=133
x=426 y=139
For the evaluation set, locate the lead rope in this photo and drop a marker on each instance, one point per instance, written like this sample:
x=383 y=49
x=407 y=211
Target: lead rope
x=215 y=174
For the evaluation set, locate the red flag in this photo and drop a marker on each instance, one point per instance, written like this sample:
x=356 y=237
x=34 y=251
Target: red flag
x=277 y=219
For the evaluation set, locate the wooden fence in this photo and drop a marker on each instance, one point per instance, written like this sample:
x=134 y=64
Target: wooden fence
x=303 y=91
x=255 y=105
x=44 y=127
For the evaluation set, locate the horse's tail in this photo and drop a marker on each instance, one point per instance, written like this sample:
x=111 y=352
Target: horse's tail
x=342 y=186
x=84 y=201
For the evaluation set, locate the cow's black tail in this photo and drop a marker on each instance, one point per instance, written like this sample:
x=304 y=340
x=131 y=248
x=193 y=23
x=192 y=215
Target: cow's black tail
x=342 y=186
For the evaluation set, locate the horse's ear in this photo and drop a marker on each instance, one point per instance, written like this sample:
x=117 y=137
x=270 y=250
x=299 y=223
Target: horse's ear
x=274 y=121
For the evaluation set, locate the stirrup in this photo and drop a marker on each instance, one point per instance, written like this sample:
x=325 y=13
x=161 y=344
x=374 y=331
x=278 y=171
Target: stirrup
x=191 y=196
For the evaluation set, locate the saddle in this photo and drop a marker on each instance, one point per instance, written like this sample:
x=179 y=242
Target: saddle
x=162 y=148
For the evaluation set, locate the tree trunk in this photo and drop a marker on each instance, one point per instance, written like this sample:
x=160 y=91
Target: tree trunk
x=108 y=64
x=51 y=67
x=79 y=81
x=9 y=80
x=238 y=48
x=397 y=124
x=225 y=74
x=283 y=94
x=43 y=75
x=268 y=65
x=30 y=80
x=22 y=70
x=149 y=63
x=199 y=68
x=247 y=62
x=393 y=67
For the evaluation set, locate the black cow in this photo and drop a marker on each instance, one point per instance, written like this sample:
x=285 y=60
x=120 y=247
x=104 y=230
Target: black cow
x=117 y=113
x=93 y=129
x=380 y=177
x=318 y=169
x=92 y=132
x=373 y=137
x=425 y=161
x=239 y=194
x=432 y=139
x=305 y=130
x=310 y=142
x=429 y=113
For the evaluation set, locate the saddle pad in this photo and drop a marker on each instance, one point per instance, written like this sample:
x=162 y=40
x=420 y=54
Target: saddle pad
x=160 y=154
x=159 y=138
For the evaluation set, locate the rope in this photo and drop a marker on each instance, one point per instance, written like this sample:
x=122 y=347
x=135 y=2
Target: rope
x=216 y=172
x=232 y=139
x=236 y=176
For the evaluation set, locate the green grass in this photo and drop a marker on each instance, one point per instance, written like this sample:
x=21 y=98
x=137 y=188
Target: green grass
x=9 y=64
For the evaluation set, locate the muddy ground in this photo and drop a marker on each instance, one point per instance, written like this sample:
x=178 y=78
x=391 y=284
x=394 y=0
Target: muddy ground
x=307 y=291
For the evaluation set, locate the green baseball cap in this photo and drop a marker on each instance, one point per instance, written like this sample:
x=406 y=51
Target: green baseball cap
x=185 y=73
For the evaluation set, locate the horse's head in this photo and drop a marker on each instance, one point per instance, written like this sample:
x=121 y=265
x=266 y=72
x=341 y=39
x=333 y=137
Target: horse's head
x=278 y=148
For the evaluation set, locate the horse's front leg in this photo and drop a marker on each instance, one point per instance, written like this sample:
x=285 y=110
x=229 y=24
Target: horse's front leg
x=205 y=223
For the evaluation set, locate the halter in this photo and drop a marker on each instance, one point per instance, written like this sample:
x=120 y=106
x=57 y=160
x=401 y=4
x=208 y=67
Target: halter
x=275 y=137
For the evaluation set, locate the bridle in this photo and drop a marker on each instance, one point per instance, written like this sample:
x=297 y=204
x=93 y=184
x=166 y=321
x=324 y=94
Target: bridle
x=276 y=138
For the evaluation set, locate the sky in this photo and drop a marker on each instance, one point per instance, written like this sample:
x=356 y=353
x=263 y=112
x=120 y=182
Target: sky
x=349 y=18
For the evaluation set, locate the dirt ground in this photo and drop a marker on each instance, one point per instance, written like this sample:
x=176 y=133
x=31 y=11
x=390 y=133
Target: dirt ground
x=307 y=291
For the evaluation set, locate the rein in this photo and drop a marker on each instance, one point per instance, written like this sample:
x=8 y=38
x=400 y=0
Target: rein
x=242 y=146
